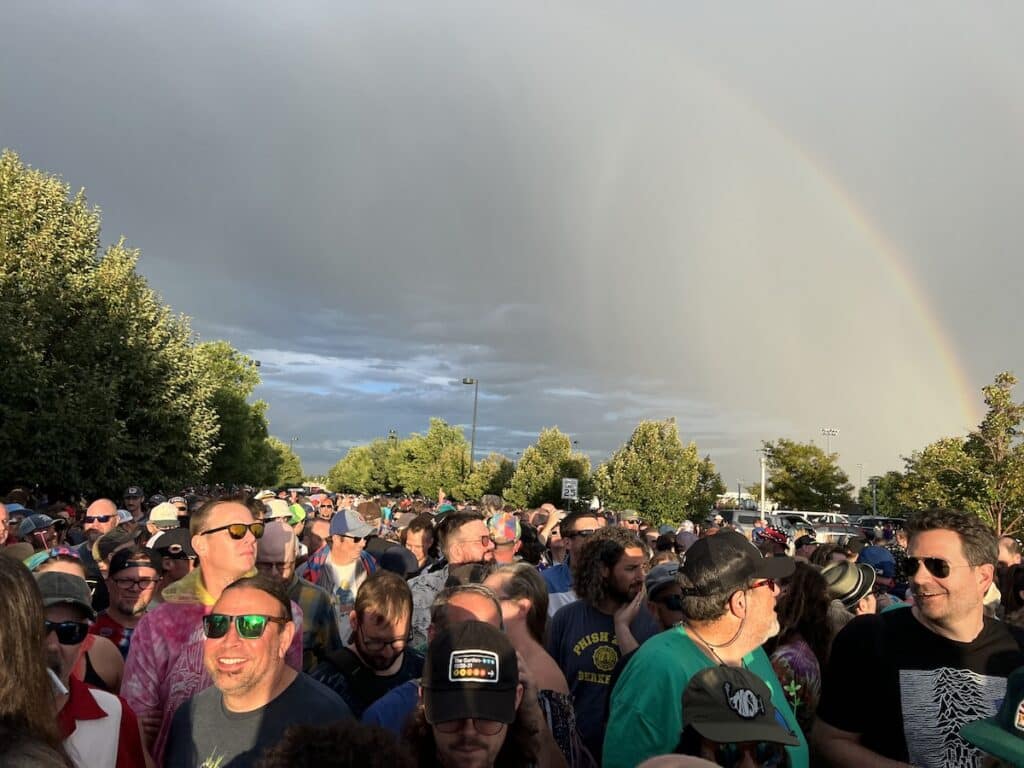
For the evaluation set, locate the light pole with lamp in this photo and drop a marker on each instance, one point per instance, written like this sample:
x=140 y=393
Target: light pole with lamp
x=472 y=438
x=829 y=433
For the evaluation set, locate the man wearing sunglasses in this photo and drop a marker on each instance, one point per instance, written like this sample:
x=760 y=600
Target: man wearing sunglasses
x=728 y=600
x=256 y=696
x=933 y=667
x=131 y=580
x=164 y=666
x=575 y=529
x=664 y=595
x=464 y=540
x=343 y=565
x=98 y=727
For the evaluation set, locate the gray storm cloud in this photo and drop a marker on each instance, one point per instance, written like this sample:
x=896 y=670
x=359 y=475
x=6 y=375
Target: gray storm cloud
x=762 y=224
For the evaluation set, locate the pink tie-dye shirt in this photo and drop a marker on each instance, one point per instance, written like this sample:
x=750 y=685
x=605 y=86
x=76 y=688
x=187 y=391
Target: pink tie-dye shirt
x=165 y=663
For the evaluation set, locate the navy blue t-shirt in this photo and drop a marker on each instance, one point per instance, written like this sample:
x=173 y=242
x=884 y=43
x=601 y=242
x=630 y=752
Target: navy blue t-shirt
x=582 y=642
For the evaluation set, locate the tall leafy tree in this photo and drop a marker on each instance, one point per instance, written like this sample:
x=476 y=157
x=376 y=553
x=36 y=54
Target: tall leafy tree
x=803 y=476
x=709 y=487
x=492 y=474
x=101 y=383
x=538 y=475
x=243 y=453
x=289 y=466
x=882 y=495
x=983 y=472
x=437 y=459
x=354 y=472
x=655 y=474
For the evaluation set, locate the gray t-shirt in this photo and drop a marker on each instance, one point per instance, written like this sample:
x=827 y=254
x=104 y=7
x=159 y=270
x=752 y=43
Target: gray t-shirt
x=204 y=734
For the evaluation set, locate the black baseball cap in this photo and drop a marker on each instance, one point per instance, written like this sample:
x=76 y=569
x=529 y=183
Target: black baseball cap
x=726 y=561
x=732 y=704
x=175 y=544
x=135 y=557
x=470 y=671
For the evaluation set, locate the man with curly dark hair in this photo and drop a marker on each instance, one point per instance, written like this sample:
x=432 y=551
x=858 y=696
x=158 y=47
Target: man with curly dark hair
x=934 y=667
x=588 y=637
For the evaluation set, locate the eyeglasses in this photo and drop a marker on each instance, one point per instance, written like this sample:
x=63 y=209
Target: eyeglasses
x=770 y=583
x=374 y=645
x=237 y=531
x=353 y=539
x=485 y=541
x=98 y=518
x=936 y=566
x=485 y=727
x=584 y=533
x=761 y=753
x=268 y=567
x=68 y=632
x=249 y=626
x=140 y=584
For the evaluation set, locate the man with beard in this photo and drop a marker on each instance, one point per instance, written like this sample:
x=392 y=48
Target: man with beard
x=478 y=708
x=256 y=696
x=131 y=580
x=588 y=637
x=728 y=604
x=275 y=557
x=575 y=529
x=133 y=498
x=464 y=540
x=99 y=728
x=933 y=668
x=164 y=666
x=376 y=658
x=100 y=519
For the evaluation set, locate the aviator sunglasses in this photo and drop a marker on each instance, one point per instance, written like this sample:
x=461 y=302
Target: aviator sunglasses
x=249 y=626
x=936 y=566
x=237 y=530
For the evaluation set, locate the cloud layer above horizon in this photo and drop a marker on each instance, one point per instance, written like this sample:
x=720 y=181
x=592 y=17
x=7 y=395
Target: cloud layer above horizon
x=761 y=224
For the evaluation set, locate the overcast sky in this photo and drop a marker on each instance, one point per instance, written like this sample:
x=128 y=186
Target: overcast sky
x=762 y=222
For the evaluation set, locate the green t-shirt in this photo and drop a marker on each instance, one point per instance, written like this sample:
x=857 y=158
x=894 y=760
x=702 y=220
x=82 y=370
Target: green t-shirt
x=646 y=713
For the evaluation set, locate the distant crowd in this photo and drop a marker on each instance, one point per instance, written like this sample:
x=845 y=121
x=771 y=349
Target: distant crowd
x=224 y=628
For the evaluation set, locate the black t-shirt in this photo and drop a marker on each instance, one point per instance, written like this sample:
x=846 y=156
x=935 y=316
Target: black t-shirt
x=908 y=691
x=204 y=732
x=345 y=673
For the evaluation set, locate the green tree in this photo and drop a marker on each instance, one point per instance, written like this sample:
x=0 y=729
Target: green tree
x=101 y=384
x=709 y=487
x=538 y=475
x=803 y=476
x=437 y=459
x=289 y=467
x=490 y=475
x=243 y=455
x=653 y=473
x=983 y=472
x=882 y=494
x=354 y=472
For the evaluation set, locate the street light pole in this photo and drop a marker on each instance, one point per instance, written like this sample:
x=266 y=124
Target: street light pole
x=829 y=433
x=291 y=443
x=472 y=439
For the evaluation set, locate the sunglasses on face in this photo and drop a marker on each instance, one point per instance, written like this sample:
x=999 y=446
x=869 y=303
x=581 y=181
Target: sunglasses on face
x=98 y=518
x=770 y=583
x=237 y=531
x=353 y=539
x=485 y=727
x=68 y=632
x=484 y=541
x=249 y=626
x=583 y=534
x=936 y=566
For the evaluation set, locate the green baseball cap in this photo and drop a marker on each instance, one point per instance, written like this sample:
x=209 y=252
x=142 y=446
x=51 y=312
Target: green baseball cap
x=1002 y=735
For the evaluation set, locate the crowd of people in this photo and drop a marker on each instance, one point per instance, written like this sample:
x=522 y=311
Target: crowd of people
x=223 y=628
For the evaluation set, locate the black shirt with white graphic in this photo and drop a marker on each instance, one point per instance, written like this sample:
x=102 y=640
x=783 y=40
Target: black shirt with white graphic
x=908 y=691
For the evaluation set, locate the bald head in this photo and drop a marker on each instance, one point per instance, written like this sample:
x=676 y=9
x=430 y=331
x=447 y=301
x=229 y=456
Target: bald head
x=100 y=519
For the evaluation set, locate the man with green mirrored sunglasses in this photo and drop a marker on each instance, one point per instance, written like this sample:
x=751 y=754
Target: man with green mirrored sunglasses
x=255 y=696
